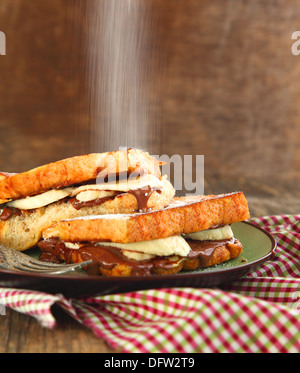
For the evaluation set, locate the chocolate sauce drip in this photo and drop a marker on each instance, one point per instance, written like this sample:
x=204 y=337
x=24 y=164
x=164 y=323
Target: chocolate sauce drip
x=8 y=212
x=204 y=250
x=109 y=257
x=142 y=196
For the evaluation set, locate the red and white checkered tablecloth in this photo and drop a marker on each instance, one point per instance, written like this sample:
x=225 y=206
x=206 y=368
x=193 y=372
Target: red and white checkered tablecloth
x=257 y=313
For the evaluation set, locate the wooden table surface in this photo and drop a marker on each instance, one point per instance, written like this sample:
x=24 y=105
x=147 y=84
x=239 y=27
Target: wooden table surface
x=21 y=333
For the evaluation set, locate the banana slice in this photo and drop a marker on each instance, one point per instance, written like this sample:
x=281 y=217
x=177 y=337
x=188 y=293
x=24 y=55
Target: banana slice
x=134 y=255
x=40 y=200
x=91 y=195
x=217 y=234
x=123 y=185
x=73 y=246
x=174 y=245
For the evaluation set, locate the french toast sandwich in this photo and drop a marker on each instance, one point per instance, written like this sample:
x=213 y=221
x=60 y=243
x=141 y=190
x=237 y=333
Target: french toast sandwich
x=120 y=182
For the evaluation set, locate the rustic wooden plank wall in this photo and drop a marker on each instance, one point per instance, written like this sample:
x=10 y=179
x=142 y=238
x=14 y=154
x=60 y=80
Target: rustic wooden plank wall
x=230 y=85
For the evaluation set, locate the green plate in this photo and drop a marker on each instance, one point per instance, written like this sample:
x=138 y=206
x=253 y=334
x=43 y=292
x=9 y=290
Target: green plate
x=257 y=243
x=258 y=246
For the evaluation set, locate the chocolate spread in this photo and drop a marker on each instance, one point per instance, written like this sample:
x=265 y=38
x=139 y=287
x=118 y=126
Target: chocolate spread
x=105 y=256
x=108 y=257
x=8 y=212
x=95 y=202
x=142 y=196
x=203 y=250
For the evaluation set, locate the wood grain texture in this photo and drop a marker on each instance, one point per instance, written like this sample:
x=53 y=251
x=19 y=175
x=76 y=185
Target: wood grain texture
x=23 y=334
x=230 y=84
x=232 y=94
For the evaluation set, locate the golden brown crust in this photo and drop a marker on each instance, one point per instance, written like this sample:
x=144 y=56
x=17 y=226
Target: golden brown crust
x=24 y=231
x=4 y=175
x=184 y=215
x=76 y=170
x=125 y=270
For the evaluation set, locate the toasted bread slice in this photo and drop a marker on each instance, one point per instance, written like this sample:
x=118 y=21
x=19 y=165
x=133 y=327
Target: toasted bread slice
x=4 y=175
x=22 y=231
x=76 y=170
x=183 y=215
